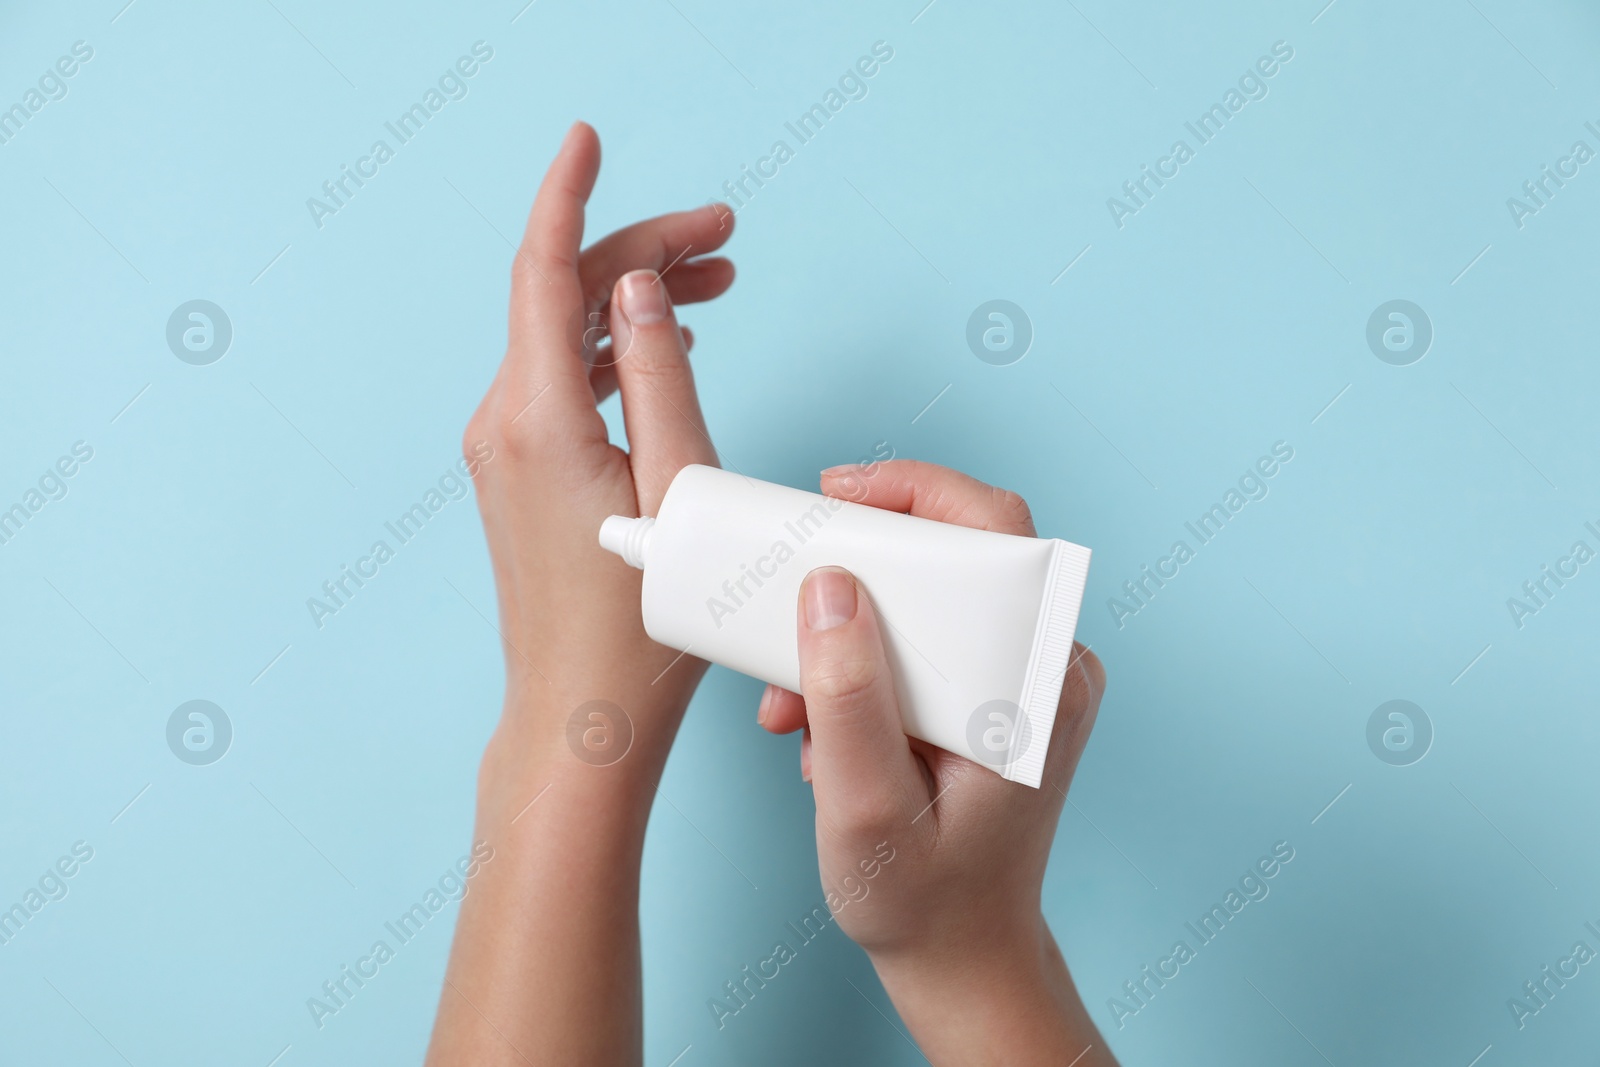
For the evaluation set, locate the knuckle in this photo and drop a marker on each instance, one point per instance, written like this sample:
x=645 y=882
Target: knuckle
x=654 y=353
x=844 y=685
x=471 y=443
x=517 y=439
x=523 y=274
x=1011 y=509
x=479 y=434
x=532 y=267
x=516 y=428
x=865 y=814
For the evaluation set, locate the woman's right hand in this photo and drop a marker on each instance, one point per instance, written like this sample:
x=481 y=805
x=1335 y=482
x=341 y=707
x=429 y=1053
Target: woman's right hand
x=931 y=862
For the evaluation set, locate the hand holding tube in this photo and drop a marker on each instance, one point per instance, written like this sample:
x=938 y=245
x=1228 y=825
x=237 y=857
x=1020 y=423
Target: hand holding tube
x=952 y=922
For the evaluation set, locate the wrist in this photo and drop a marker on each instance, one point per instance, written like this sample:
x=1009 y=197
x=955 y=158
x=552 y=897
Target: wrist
x=599 y=762
x=1009 y=1001
x=592 y=723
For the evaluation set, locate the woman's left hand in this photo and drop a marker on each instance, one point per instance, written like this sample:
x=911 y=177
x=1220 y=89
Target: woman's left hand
x=546 y=952
x=569 y=611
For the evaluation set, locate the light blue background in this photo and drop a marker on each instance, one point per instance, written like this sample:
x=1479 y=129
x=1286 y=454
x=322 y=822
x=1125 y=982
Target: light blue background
x=1224 y=317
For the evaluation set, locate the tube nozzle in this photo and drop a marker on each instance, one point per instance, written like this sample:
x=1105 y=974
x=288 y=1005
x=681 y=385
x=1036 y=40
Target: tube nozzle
x=627 y=537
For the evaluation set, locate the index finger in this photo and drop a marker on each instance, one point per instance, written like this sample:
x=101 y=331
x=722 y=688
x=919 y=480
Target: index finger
x=660 y=244
x=930 y=491
x=546 y=294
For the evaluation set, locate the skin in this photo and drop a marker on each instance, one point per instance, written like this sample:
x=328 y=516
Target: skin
x=953 y=923
x=545 y=964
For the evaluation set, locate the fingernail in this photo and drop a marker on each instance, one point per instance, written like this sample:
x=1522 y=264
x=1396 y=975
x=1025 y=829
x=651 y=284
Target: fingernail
x=766 y=703
x=834 y=472
x=644 y=298
x=830 y=599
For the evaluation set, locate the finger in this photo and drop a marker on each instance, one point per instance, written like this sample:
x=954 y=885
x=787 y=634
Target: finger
x=862 y=768
x=1093 y=670
x=931 y=492
x=666 y=430
x=1075 y=713
x=781 y=711
x=603 y=376
x=664 y=244
x=694 y=281
x=554 y=234
x=546 y=296
x=805 y=756
x=687 y=285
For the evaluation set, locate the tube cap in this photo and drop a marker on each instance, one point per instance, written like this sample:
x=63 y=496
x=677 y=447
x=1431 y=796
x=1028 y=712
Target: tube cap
x=627 y=537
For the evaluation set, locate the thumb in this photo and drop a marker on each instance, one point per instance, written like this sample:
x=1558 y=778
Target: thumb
x=862 y=769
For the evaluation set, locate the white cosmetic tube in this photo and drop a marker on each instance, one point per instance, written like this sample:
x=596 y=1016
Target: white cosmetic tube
x=977 y=626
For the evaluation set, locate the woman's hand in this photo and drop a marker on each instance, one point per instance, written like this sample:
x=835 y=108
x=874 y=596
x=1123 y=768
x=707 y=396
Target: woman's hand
x=545 y=964
x=932 y=863
x=569 y=613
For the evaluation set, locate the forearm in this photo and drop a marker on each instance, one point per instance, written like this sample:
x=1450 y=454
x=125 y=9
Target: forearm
x=1013 y=1007
x=545 y=965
